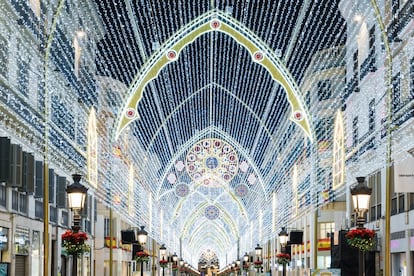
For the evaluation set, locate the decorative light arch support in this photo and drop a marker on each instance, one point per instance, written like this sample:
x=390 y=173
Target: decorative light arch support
x=214 y=20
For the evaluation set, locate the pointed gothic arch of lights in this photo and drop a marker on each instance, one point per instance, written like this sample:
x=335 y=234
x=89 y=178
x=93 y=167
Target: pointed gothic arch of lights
x=195 y=214
x=214 y=20
x=210 y=129
x=226 y=137
x=220 y=236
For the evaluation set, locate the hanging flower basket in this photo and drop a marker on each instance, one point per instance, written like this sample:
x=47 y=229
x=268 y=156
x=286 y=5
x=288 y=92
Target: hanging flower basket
x=258 y=264
x=361 y=238
x=283 y=258
x=245 y=267
x=74 y=242
x=174 y=268
x=142 y=257
x=163 y=263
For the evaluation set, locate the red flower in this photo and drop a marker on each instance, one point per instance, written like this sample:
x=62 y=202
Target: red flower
x=363 y=233
x=361 y=238
x=142 y=254
x=283 y=256
x=74 y=242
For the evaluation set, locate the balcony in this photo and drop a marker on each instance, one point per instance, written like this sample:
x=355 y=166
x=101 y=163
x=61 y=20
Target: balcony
x=400 y=20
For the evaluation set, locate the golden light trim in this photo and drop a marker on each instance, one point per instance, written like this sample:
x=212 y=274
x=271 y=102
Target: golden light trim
x=92 y=150
x=214 y=21
x=338 y=152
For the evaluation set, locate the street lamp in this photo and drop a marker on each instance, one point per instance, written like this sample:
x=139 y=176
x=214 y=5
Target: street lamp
x=238 y=267
x=174 y=257
x=246 y=259
x=163 y=252
x=283 y=239
x=142 y=240
x=258 y=251
x=76 y=200
x=361 y=195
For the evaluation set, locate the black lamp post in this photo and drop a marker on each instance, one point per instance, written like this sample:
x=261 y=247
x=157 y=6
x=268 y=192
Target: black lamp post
x=361 y=195
x=175 y=260
x=246 y=260
x=283 y=239
x=258 y=251
x=142 y=240
x=181 y=262
x=238 y=267
x=163 y=252
x=76 y=200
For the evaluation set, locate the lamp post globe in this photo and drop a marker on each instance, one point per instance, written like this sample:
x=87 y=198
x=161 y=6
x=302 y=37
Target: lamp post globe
x=283 y=237
x=361 y=195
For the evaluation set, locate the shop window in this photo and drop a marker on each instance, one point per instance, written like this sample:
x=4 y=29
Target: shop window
x=21 y=241
x=4 y=238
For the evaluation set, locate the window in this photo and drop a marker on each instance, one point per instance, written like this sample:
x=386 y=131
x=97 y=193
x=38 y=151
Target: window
x=395 y=6
x=325 y=229
x=396 y=95
x=355 y=134
x=3 y=196
x=411 y=201
x=324 y=90
x=4 y=55
x=307 y=99
x=371 y=116
x=355 y=64
x=412 y=79
x=23 y=76
x=372 y=40
x=397 y=199
x=106 y=227
x=374 y=182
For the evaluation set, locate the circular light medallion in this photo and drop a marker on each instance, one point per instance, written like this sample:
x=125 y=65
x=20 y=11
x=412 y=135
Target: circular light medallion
x=298 y=115
x=211 y=212
x=182 y=190
x=241 y=190
x=130 y=113
x=215 y=24
x=258 y=56
x=172 y=55
x=213 y=160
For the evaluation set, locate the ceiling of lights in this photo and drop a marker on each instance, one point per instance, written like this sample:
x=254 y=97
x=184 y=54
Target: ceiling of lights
x=212 y=138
